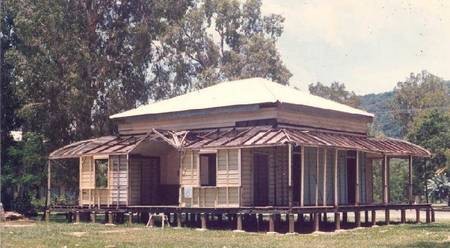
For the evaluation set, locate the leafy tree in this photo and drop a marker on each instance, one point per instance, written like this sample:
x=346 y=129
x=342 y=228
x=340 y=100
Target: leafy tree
x=220 y=40
x=74 y=63
x=24 y=173
x=421 y=91
x=431 y=129
x=336 y=92
x=439 y=187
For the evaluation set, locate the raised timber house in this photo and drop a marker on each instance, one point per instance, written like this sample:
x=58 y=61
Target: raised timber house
x=251 y=150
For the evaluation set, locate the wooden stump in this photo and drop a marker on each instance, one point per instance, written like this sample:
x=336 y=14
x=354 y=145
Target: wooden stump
x=366 y=217
x=358 y=218
x=110 y=217
x=374 y=217
x=130 y=218
x=77 y=217
x=316 y=222
x=428 y=215
x=291 y=223
x=417 y=215
x=93 y=217
x=344 y=218
x=432 y=215
x=337 y=221
x=203 y=221
x=239 y=222
x=387 y=217
x=403 y=216
x=271 y=223
x=179 y=216
x=47 y=215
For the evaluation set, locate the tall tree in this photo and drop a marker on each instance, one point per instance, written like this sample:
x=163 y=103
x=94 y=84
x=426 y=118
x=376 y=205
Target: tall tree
x=336 y=92
x=431 y=129
x=220 y=40
x=419 y=92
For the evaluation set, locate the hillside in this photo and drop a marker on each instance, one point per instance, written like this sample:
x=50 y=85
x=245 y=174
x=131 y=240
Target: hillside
x=378 y=104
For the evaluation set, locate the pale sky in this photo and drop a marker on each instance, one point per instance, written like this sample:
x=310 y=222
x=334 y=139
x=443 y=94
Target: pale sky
x=369 y=45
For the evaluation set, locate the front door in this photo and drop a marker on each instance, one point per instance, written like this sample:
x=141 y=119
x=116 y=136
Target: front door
x=296 y=175
x=261 y=180
x=150 y=180
x=351 y=177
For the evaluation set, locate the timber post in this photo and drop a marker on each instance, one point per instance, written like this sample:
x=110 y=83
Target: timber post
x=203 y=221
x=110 y=218
x=358 y=218
x=271 y=223
x=47 y=215
x=374 y=217
x=77 y=217
x=93 y=216
x=291 y=223
x=179 y=216
x=130 y=218
x=428 y=215
x=316 y=221
x=432 y=215
x=344 y=218
x=403 y=216
x=417 y=215
x=387 y=216
x=239 y=222
x=337 y=221
x=259 y=222
x=366 y=217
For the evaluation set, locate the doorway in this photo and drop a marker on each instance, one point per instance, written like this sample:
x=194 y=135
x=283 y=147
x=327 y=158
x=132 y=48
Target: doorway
x=351 y=177
x=261 y=179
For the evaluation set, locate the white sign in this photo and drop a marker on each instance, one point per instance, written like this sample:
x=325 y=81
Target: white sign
x=187 y=192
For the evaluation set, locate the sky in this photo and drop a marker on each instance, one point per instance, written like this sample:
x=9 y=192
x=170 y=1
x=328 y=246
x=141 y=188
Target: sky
x=369 y=45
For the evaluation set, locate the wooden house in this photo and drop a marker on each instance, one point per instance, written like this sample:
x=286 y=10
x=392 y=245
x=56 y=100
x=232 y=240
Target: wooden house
x=242 y=147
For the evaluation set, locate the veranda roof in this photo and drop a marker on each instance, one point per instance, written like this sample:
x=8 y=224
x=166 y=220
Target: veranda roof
x=237 y=93
x=241 y=137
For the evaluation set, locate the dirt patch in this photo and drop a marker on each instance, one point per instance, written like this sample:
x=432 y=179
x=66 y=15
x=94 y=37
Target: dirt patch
x=18 y=223
x=121 y=230
x=76 y=234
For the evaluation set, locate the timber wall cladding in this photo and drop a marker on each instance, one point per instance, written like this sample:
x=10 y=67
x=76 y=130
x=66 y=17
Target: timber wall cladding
x=189 y=168
x=135 y=174
x=118 y=179
x=278 y=175
x=226 y=191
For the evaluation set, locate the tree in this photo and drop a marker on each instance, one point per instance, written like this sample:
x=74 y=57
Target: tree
x=74 y=63
x=421 y=91
x=336 y=92
x=439 y=187
x=431 y=129
x=220 y=40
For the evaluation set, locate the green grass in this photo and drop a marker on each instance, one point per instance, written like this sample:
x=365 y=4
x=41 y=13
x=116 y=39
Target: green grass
x=98 y=235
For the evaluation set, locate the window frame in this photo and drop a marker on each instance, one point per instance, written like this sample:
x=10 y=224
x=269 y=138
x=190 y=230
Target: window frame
x=209 y=155
x=95 y=172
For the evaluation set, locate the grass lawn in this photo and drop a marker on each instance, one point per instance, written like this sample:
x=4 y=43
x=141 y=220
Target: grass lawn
x=39 y=234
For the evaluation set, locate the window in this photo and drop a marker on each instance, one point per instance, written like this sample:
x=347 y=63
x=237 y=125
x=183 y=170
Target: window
x=208 y=169
x=101 y=173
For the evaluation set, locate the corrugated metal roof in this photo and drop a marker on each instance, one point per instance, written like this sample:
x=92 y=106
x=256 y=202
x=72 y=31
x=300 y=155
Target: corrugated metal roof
x=109 y=145
x=268 y=136
x=239 y=92
x=242 y=137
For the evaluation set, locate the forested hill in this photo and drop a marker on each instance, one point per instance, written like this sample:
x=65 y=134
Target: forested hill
x=379 y=104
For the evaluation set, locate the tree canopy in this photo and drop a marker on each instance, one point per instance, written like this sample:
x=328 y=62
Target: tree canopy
x=336 y=92
x=69 y=65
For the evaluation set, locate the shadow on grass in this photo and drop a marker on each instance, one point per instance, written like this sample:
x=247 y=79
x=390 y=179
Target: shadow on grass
x=435 y=227
x=425 y=244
